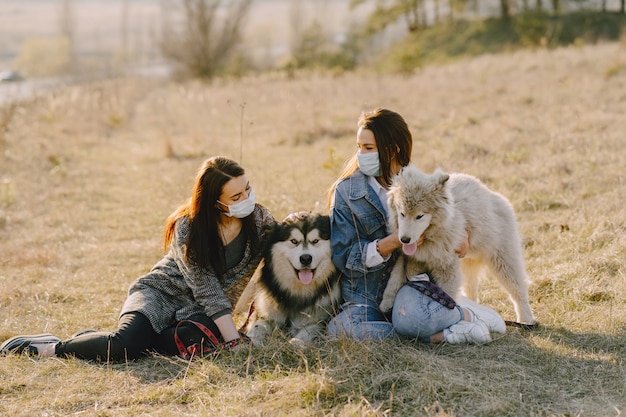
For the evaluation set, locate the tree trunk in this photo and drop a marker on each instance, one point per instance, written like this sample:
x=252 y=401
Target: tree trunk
x=505 y=9
x=67 y=23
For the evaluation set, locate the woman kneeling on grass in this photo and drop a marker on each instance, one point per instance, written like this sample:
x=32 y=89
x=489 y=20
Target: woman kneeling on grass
x=363 y=250
x=214 y=242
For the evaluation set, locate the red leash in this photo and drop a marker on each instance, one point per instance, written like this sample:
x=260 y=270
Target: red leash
x=245 y=323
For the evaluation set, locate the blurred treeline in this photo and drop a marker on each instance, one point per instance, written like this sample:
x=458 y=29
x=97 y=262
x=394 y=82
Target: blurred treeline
x=204 y=38
x=430 y=31
x=441 y=30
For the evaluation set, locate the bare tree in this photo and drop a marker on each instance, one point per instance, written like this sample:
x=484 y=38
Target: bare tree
x=505 y=9
x=67 y=27
x=205 y=37
x=296 y=21
x=387 y=13
x=124 y=29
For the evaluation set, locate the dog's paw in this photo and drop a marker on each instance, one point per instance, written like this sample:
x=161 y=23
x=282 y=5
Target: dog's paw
x=306 y=335
x=297 y=342
x=258 y=332
x=386 y=305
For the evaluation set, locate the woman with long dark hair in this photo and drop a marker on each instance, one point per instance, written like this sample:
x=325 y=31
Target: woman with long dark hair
x=364 y=251
x=213 y=245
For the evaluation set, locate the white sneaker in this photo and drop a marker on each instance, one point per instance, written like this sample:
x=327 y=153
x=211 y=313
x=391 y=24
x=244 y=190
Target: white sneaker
x=489 y=316
x=466 y=332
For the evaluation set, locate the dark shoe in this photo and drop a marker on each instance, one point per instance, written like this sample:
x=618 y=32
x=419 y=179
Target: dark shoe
x=19 y=344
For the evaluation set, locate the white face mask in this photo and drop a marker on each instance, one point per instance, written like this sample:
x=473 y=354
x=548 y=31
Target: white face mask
x=369 y=163
x=241 y=209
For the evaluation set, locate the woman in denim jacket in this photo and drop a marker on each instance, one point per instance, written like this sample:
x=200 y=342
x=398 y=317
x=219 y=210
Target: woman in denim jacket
x=364 y=251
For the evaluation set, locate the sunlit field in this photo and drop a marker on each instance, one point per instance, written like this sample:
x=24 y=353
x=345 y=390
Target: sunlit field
x=88 y=175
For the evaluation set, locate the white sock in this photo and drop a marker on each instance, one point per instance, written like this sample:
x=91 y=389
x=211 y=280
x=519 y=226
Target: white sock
x=46 y=350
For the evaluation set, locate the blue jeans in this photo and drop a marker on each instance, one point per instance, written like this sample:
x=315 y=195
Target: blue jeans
x=414 y=315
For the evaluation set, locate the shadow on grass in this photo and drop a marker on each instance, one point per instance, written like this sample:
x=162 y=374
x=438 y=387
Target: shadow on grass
x=546 y=371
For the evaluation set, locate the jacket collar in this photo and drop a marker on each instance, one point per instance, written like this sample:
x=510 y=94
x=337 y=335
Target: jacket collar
x=359 y=188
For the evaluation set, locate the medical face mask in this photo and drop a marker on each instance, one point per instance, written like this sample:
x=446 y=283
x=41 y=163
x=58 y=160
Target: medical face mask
x=241 y=209
x=369 y=163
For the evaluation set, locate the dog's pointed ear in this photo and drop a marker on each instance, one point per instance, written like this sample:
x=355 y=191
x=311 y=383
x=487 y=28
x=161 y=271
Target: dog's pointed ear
x=322 y=222
x=440 y=176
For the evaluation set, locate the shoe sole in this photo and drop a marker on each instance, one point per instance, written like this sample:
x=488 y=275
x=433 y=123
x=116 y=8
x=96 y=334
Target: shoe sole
x=474 y=333
x=18 y=344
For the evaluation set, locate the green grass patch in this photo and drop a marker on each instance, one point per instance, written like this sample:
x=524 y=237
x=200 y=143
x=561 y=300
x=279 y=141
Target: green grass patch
x=462 y=38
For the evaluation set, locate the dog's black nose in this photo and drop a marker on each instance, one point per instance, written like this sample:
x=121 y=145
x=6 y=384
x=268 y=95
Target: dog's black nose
x=306 y=259
x=405 y=239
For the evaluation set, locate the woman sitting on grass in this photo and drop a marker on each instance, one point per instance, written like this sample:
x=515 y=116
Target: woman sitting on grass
x=363 y=250
x=214 y=241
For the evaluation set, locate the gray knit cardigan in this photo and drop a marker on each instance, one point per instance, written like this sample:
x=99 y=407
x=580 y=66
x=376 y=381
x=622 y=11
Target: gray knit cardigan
x=175 y=290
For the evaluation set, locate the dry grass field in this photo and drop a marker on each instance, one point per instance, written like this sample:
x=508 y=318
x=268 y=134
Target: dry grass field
x=88 y=175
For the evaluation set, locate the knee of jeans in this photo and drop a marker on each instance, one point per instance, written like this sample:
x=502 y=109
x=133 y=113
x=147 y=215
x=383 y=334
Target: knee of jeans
x=340 y=324
x=407 y=294
x=334 y=326
x=415 y=314
x=412 y=304
x=358 y=322
x=420 y=328
x=405 y=326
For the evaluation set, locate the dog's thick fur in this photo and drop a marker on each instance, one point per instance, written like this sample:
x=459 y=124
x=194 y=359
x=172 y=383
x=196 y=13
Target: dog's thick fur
x=298 y=287
x=445 y=208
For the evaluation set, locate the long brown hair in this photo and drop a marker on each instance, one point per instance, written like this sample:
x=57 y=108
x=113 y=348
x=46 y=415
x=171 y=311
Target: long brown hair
x=204 y=246
x=393 y=138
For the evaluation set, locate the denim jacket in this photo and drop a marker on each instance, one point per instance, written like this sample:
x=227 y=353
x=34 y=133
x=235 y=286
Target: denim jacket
x=357 y=218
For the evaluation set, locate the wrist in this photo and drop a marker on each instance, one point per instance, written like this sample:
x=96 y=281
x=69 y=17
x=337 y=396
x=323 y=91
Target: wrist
x=231 y=344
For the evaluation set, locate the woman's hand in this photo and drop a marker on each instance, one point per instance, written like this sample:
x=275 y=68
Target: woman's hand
x=243 y=342
x=388 y=244
x=226 y=326
x=392 y=242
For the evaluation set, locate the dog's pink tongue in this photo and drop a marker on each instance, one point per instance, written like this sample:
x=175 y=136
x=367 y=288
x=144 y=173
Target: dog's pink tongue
x=409 y=249
x=305 y=276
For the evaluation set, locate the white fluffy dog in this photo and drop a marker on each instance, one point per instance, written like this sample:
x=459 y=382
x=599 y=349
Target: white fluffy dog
x=444 y=208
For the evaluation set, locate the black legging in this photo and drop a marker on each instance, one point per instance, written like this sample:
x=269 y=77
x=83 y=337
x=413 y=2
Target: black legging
x=133 y=338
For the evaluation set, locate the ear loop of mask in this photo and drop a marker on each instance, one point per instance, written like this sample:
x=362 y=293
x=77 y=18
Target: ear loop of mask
x=221 y=206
